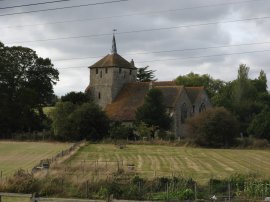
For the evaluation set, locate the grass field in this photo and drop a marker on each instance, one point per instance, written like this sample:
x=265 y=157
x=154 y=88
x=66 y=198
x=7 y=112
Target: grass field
x=25 y=155
x=150 y=161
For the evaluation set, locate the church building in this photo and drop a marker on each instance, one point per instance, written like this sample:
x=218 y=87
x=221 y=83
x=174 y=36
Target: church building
x=113 y=86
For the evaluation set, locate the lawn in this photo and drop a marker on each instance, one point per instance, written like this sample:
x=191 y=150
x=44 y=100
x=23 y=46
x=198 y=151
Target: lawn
x=153 y=160
x=25 y=155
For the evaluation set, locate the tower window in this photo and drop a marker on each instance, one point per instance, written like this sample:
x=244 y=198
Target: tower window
x=97 y=71
x=120 y=70
x=100 y=74
x=99 y=95
x=130 y=71
x=106 y=70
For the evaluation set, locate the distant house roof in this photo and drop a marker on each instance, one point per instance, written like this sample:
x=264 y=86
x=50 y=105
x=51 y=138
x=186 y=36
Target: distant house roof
x=113 y=60
x=194 y=92
x=132 y=96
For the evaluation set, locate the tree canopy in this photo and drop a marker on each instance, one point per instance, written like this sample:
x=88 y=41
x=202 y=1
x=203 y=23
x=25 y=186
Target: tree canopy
x=212 y=86
x=75 y=97
x=77 y=122
x=145 y=75
x=153 y=111
x=26 y=85
x=210 y=128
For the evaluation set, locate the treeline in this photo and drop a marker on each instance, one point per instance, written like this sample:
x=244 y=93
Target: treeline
x=241 y=107
x=247 y=99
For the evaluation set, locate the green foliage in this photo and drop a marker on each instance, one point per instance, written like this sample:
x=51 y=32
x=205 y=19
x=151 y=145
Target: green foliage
x=61 y=122
x=260 y=125
x=75 y=97
x=212 y=86
x=77 y=122
x=26 y=85
x=145 y=131
x=89 y=122
x=121 y=132
x=153 y=111
x=145 y=75
x=210 y=128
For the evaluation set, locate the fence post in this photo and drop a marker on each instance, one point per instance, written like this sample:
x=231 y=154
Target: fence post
x=87 y=188
x=229 y=190
x=195 y=191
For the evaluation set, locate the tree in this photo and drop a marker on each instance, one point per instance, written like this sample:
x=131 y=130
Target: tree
x=61 y=122
x=26 y=85
x=260 y=125
x=89 y=122
x=145 y=75
x=212 y=86
x=215 y=127
x=75 y=97
x=77 y=122
x=153 y=111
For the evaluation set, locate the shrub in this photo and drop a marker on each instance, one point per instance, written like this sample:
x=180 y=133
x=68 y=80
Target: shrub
x=215 y=127
x=22 y=182
x=122 y=132
x=78 y=122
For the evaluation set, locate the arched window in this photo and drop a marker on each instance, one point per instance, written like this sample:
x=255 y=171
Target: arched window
x=100 y=74
x=96 y=70
x=99 y=95
x=184 y=112
x=202 y=107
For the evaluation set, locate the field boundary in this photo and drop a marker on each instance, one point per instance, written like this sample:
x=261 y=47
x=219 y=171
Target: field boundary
x=58 y=156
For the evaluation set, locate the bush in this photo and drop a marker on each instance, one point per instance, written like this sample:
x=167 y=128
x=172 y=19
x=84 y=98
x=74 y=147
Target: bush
x=78 y=122
x=215 y=127
x=121 y=132
x=22 y=182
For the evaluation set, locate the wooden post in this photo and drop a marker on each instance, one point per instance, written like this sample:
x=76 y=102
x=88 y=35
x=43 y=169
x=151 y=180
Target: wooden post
x=195 y=191
x=229 y=190
x=87 y=188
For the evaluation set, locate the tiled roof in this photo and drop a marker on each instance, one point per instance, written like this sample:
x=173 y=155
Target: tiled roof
x=126 y=103
x=112 y=60
x=170 y=94
x=132 y=96
x=193 y=92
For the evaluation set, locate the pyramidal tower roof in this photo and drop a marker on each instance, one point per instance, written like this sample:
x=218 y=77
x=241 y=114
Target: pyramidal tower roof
x=113 y=59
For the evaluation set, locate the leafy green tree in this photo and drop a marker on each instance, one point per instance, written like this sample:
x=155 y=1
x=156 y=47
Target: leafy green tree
x=75 y=97
x=145 y=75
x=260 y=125
x=153 y=111
x=215 y=127
x=61 y=123
x=26 y=85
x=121 y=132
x=78 y=122
x=212 y=86
x=89 y=122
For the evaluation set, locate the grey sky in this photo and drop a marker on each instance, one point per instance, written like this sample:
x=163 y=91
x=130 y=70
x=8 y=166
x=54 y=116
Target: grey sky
x=148 y=14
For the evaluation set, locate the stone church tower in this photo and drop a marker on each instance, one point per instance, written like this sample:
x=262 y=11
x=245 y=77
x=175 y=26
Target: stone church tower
x=108 y=76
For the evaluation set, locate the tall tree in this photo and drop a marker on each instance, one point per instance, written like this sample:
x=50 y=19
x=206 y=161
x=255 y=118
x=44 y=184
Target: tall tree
x=153 y=111
x=145 y=75
x=26 y=85
x=212 y=86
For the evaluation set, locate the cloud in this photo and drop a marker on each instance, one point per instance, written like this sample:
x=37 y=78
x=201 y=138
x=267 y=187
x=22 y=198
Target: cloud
x=152 y=15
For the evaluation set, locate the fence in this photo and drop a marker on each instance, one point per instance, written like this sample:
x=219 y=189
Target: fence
x=58 y=156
